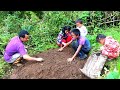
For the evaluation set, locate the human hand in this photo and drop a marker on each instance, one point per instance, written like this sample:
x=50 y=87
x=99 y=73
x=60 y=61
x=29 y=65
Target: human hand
x=61 y=49
x=70 y=59
x=39 y=59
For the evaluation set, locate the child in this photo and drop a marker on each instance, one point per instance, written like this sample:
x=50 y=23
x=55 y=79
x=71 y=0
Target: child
x=81 y=27
x=110 y=48
x=80 y=44
x=64 y=36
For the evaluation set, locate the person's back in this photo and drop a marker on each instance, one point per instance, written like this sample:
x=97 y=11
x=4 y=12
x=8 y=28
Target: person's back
x=111 y=46
x=83 y=30
x=84 y=42
x=59 y=37
x=87 y=44
x=13 y=47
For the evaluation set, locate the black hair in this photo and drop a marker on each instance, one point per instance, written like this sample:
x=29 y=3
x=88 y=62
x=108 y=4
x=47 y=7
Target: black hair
x=76 y=32
x=65 y=28
x=22 y=33
x=100 y=36
x=79 y=21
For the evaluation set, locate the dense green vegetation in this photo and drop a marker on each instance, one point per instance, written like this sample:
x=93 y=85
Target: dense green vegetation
x=44 y=26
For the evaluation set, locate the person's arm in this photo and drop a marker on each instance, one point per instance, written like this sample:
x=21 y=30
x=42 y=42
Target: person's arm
x=61 y=49
x=27 y=57
x=77 y=51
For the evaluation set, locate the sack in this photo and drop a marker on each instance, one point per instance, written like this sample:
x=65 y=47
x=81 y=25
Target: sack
x=94 y=65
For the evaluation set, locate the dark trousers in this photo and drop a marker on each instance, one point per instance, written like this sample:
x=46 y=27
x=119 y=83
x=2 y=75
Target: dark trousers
x=83 y=50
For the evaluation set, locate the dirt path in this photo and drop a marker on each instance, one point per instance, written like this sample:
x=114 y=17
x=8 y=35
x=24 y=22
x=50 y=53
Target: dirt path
x=55 y=66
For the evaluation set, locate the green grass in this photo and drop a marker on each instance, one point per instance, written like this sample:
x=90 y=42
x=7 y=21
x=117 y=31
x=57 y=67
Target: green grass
x=4 y=67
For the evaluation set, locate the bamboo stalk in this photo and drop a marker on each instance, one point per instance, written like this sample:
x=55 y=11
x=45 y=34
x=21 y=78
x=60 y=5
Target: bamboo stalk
x=109 y=22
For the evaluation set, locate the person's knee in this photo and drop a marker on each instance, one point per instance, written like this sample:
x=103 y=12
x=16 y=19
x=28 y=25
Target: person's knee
x=86 y=51
x=74 y=45
x=15 y=57
x=17 y=60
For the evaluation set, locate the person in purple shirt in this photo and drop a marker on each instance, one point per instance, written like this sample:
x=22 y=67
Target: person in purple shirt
x=80 y=44
x=15 y=50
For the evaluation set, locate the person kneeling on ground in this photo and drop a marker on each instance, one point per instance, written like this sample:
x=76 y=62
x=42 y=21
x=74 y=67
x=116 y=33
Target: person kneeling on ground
x=110 y=48
x=64 y=36
x=15 y=50
x=80 y=44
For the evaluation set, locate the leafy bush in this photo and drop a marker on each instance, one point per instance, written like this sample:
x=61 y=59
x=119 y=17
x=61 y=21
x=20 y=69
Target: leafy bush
x=4 y=39
x=12 y=23
x=4 y=67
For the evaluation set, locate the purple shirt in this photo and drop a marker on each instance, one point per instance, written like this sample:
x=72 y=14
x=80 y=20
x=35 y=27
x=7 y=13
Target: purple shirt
x=14 y=46
x=81 y=40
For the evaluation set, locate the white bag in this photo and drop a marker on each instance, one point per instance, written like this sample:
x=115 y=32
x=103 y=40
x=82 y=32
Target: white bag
x=94 y=65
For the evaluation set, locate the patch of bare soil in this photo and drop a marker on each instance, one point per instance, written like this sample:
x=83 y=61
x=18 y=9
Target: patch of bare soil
x=55 y=66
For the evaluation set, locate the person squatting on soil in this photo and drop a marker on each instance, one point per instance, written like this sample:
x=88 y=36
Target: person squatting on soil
x=15 y=50
x=80 y=44
x=81 y=27
x=110 y=48
x=64 y=36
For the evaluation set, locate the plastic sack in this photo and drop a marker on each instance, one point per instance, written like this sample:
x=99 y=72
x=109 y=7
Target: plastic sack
x=94 y=65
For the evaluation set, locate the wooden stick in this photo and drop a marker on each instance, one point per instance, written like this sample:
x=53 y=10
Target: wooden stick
x=109 y=22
